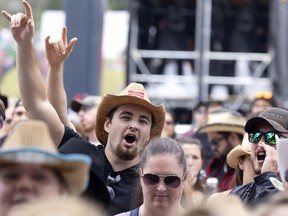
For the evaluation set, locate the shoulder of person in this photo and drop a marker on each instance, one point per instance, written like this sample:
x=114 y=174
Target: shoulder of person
x=264 y=178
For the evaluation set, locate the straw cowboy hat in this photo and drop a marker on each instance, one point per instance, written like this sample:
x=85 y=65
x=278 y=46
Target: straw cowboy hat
x=30 y=142
x=224 y=120
x=134 y=93
x=238 y=151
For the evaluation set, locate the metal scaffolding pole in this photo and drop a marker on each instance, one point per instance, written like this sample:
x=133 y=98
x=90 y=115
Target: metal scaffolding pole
x=203 y=34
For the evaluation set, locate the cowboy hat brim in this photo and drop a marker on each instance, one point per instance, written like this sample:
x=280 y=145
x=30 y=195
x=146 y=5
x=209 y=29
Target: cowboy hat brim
x=233 y=156
x=221 y=128
x=73 y=168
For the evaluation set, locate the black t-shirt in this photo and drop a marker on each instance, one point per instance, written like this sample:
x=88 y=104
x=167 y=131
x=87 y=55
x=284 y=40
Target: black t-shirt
x=121 y=185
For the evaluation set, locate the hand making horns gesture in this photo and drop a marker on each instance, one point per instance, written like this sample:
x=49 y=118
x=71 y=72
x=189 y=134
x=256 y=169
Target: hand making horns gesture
x=22 y=25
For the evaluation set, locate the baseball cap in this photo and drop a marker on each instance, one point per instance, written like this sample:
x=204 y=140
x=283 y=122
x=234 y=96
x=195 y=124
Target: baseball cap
x=276 y=117
x=88 y=101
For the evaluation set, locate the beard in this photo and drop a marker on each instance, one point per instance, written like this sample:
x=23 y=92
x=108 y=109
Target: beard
x=256 y=168
x=227 y=149
x=126 y=154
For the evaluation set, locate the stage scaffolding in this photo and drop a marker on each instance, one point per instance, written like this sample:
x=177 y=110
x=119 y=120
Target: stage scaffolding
x=257 y=80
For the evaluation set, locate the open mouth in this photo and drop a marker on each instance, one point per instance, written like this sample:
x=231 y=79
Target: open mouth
x=261 y=156
x=130 y=138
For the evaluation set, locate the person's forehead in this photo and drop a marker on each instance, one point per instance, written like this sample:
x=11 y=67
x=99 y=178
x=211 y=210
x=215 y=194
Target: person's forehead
x=25 y=166
x=201 y=108
x=213 y=134
x=262 y=101
x=160 y=159
x=19 y=108
x=168 y=116
x=264 y=126
x=191 y=148
x=133 y=108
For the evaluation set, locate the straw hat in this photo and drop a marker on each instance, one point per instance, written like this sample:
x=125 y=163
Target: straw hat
x=134 y=93
x=30 y=142
x=238 y=151
x=224 y=120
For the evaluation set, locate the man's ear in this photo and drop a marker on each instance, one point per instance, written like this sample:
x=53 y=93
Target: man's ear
x=107 y=125
x=240 y=163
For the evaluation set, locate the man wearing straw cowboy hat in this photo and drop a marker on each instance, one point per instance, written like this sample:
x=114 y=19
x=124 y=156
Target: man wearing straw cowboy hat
x=125 y=122
x=31 y=167
x=225 y=129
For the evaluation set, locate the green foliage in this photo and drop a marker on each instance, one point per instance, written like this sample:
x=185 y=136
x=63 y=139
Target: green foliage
x=117 y=4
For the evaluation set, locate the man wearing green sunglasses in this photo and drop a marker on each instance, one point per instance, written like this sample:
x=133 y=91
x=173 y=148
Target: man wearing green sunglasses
x=262 y=132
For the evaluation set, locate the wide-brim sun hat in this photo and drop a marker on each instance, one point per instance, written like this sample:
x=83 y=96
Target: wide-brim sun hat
x=240 y=150
x=276 y=117
x=30 y=142
x=134 y=94
x=224 y=121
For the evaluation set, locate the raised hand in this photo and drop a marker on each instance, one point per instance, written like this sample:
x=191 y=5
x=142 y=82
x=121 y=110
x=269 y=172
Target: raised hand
x=57 y=50
x=192 y=178
x=270 y=162
x=21 y=25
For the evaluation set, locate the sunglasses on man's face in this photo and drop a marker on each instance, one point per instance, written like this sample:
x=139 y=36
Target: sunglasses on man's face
x=215 y=142
x=170 y=181
x=270 y=137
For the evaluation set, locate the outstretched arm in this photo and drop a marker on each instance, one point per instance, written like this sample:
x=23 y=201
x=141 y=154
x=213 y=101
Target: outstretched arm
x=57 y=51
x=31 y=85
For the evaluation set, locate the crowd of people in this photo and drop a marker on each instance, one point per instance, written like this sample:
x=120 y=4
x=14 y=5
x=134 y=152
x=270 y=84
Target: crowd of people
x=124 y=157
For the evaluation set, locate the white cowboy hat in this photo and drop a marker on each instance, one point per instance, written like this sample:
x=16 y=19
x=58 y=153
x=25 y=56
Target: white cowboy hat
x=224 y=121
